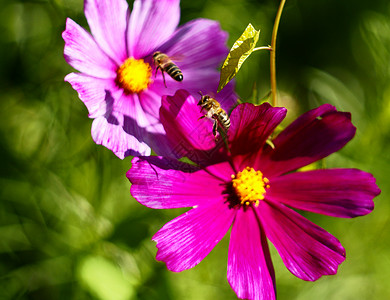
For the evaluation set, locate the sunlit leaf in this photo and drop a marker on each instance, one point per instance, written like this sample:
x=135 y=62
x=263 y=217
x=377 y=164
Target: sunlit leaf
x=104 y=280
x=241 y=49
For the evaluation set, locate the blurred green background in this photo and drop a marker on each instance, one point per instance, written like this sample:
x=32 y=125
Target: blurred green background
x=68 y=226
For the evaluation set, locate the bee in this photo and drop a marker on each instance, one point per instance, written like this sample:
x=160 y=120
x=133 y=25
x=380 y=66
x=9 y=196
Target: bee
x=215 y=112
x=165 y=64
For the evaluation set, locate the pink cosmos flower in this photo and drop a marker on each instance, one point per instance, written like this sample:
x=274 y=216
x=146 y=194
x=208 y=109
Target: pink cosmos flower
x=118 y=81
x=253 y=190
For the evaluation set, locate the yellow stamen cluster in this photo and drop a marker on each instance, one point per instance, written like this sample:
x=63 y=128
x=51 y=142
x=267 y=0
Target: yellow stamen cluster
x=134 y=75
x=250 y=186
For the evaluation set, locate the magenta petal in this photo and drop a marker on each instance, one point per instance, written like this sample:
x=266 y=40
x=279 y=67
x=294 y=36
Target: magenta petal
x=150 y=25
x=185 y=241
x=250 y=271
x=109 y=132
x=208 y=79
x=167 y=183
x=83 y=54
x=92 y=91
x=343 y=193
x=108 y=21
x=307 y=250
x=251 y=125
x=223 y=171
x=182 y=110
x=311 y=137
x=186 y=133
x=197 y=44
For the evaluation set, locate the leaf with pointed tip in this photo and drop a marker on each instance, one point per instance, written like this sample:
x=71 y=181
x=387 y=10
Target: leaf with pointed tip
x=241 y=49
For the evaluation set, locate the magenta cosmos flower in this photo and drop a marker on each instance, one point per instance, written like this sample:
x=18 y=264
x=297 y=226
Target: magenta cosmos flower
x=118 y=82
x=252 y=189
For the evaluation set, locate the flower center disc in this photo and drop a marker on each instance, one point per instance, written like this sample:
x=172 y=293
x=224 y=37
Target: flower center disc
x=134 y=75
x=250 y=186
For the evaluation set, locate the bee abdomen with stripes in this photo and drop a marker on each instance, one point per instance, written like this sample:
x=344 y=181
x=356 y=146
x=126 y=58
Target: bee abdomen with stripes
x=165 y=64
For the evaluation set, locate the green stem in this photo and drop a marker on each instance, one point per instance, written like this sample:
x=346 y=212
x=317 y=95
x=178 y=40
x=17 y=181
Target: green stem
x=273 y=53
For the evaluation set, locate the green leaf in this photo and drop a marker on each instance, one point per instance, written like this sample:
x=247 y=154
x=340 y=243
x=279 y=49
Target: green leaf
x=104 y=279
x=241 y=49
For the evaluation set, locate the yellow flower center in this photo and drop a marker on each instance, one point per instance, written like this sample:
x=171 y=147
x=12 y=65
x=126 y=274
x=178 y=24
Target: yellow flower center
x=134 y=75
x=250 y=186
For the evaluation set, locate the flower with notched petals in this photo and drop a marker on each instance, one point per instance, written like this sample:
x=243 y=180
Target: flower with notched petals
x=118 y=81
x=252 y=189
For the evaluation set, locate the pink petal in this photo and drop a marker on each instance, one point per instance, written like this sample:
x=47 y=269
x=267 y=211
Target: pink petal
x=197 y=44
x=185 y=241
x=93 y=92
x=251 y=125
x=108 y=21
x=311 y=137
x=133 y=130
x=344 y=193
x=83 y=54
x=250 y=271
x=130 y=106
x=139 y=123
x=206 y=81
x=109 y=132
x=150 y=102
x=150 y=25
x=195 y=80
x=167 y=183
x=154 y=133
x=307 y=250
x=184 y=119
x=146 y=107
x=227 y=97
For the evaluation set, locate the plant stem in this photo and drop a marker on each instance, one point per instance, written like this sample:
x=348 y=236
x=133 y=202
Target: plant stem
x=262 y=48
x=273 y=53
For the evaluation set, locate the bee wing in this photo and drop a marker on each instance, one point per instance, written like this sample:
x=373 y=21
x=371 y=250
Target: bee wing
x=177 y=57
x=213 y=95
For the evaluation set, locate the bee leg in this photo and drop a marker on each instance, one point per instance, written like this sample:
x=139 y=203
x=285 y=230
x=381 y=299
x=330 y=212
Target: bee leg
x=162 y=72
x=201 y=117
x=210 y=114
x=215 y=126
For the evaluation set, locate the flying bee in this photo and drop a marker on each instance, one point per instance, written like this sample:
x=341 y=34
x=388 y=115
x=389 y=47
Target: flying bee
x=215 y=112
x=165 y=64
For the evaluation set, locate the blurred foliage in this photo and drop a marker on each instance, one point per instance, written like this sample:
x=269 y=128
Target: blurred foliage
x=68 y=226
